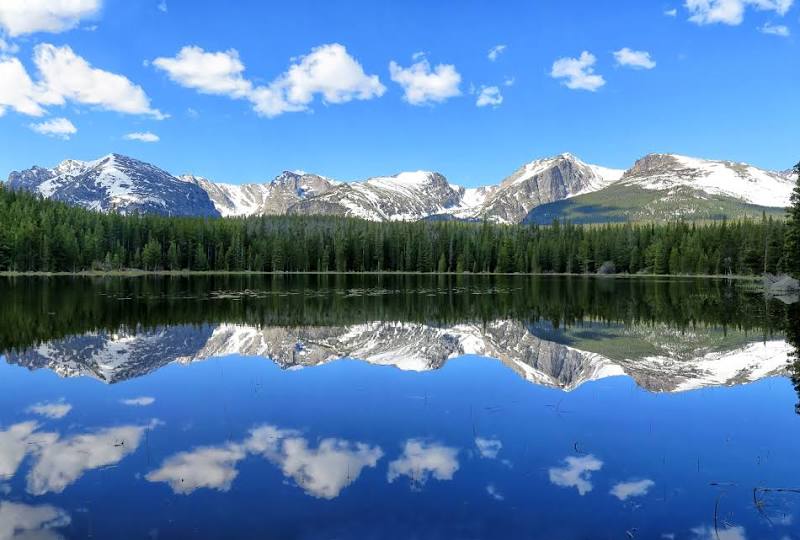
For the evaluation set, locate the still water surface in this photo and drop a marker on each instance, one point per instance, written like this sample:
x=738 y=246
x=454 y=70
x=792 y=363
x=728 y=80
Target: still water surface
x=397 y=407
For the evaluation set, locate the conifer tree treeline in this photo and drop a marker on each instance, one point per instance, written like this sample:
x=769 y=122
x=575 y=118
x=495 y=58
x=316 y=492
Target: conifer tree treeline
x=792 y=247
x=42 y=235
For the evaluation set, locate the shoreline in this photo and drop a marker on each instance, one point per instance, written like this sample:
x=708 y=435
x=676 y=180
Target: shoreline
x=199 y=273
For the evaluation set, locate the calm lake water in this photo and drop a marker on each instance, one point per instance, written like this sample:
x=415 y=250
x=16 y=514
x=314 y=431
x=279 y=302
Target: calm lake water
x=326 y=407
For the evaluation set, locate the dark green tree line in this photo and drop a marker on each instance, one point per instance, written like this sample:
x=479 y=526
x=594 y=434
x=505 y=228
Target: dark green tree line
x=42 y=235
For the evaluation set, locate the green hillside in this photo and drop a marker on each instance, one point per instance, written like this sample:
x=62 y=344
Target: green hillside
x=626 y=203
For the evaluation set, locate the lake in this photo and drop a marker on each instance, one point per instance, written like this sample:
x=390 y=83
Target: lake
x=337 y=407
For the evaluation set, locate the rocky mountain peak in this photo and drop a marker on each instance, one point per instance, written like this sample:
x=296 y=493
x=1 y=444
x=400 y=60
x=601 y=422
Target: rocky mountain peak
x=652 y=163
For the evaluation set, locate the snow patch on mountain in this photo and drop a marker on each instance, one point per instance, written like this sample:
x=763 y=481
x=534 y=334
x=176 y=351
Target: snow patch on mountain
x=668 y=172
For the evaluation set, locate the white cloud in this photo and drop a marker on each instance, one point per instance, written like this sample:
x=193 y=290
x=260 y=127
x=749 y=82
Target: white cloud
x=731 y=12
x=578 y=73
x=634 y=488
x=489 y=95
x=323 y=471
x=142 y=401
x=58 y=127
x=509 y=81
x=147 y=137
x=7 y=47
x=495 y=51
x=66 y=76
x=421 y=460
x=59 y=463
x=20 y=17
x=775 y=29
x=709 y=532
x=423 y=85
x=328 y=71
x=488 y=448
x=17 y=90
x=206 y=467
x=162 y=6
x=634 y=59
x=494 y=493
x=671 y=12
x=207 y=72
x=20 y=521
x=576 y=472
x=15 y=443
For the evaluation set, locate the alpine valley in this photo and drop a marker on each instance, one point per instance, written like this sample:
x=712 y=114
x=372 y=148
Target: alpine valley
x=658 y=187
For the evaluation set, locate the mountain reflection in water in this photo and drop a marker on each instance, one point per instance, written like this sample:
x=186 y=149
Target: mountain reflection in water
x=351 y=407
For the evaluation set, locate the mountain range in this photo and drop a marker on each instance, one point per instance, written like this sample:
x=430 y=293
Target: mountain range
x=658 y=359
x=658 y=187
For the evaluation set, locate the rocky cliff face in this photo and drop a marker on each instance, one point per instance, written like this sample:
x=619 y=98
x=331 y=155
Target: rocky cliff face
x=544 y=181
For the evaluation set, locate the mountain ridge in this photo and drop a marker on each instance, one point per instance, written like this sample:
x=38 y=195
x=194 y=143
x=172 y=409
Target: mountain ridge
x=657 y=187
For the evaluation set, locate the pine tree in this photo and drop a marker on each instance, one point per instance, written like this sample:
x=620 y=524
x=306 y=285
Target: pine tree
x=791 y=261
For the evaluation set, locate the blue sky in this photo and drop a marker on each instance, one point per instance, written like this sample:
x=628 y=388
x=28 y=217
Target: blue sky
x=239 y=91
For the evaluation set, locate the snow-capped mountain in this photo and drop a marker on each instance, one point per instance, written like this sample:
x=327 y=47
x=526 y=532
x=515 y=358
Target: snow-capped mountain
x=544 y=181
x=116 y=183
x=672 y=173
x=407 y=196
x=663 y=187
x=128 y=353
x=658 y=187
x=275 y=197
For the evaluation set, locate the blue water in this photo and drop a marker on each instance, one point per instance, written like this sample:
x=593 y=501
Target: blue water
x=236 y=447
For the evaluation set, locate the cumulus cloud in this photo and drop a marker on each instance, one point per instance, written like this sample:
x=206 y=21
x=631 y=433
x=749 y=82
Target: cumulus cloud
x=15 y=443
x=578 y=73
x=148 y=137
x=20 y=17
x=635 y=59
x=488 y=448
x=731 y=12
x=671 y=12
x=60 y=462
x=219 y=73
x=142 y=401
x=206 y=467
x=321 y=472
x=60 y=128
x=20 y=521
x=634 y=488
x=576 y=472
x=495 y=51
x=327 y=71
x=66 y=76
x=59 y=409
x=422 y=84
x=420 y=460
x=162 y=6
x=18 y=92
x=489 y=96
x=8 y=48
x=775 y=29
